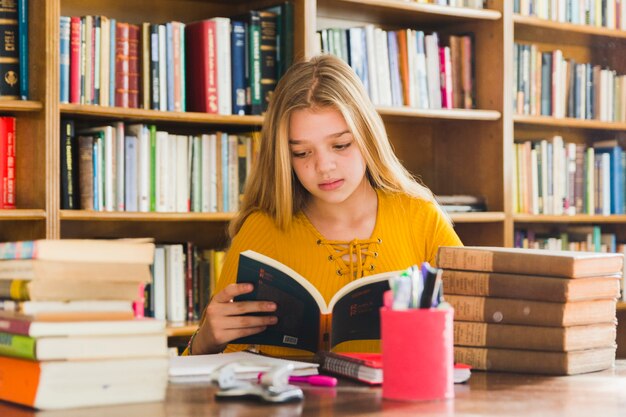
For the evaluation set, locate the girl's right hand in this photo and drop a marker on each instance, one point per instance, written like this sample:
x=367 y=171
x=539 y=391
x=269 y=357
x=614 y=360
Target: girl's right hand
x=226 y=320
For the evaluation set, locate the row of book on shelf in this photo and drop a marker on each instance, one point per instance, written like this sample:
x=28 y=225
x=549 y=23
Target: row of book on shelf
x=218 y=65
x=136 y=167
x=573 y=238
x=555 y=177
x=14 y=50
x=548 y=84
x=69 y=333
x=610 y=14
x=407 y=67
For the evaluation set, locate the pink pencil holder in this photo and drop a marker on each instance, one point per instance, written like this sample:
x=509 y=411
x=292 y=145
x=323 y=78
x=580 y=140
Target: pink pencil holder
x=418 y=354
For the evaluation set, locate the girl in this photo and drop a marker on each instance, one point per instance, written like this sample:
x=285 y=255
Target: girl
x=327 y=197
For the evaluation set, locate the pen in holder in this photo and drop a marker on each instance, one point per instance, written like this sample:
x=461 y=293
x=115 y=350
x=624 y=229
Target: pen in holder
x=418 y=355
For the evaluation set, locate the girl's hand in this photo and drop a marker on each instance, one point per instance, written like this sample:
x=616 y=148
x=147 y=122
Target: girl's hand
x=225 y=319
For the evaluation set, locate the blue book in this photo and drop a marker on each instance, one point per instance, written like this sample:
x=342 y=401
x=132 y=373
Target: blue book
x=224 y=167
x=617 y=191
x=183 y=68
x=238 y=57
x=358 y=55
x=546 y=83
x=394 y=69
x=113 y=26
x=169 y=51
x=590 y=92
x=64 y=58
x=22 y=30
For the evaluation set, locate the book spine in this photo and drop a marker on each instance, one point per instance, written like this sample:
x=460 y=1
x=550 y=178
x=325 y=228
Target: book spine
x=122 y=70
x=64 y=58
x=9 y=52
x=67 y=165
x=14 y=326
x=134 y=33
x=22 y=18
x=255 y=98
x=145 y=66
x=112 y=60
x=268 y=56
x=18 y=346
x=75 y=60
x=154 y=66
x=9 y=186
x=238 y=51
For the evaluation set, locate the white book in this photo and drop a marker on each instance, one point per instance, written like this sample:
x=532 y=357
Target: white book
x=162 y=159
x=546 y=195
x=534 y=195
x=224 y=90
x=558 y=176
x=205 y=167
x=158 y=283
x=372 y=65
x=213 y=173
x=233 y=173
x=105 y=57
x=88 y=78
x=130 y=170
x=171 y=173
x=422 y=87
x=182 y=175
x=382 y=61
x=571 y=175
x=605 y=192
x=198 y=368
x=411 y=57
x=88 y=383
x=175 y=283
x=431 y=43
x=143 y=168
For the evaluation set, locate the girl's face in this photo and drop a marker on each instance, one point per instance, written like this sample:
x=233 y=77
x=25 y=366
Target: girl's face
x=324 y=155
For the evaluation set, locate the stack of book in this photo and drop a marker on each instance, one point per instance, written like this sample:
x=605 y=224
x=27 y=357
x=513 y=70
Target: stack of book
x=68 y=332
x=534 y=311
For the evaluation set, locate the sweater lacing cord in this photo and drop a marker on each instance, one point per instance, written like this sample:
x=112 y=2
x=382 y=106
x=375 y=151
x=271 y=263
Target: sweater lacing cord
x=352 y=257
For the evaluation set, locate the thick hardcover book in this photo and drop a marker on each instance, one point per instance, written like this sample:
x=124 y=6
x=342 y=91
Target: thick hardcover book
x=368 y=367
x=530 y=287
x=566 y=264
x=305 y=320
x=238 y=67
x=85 y=250
x=269 y=58
x=69 y=166
x=83 y=347
x=538 y=313
x=559 y=339
x=254 y=98
x=69 y=384
x=536 y=362
x=9 y=52
x=201 y=53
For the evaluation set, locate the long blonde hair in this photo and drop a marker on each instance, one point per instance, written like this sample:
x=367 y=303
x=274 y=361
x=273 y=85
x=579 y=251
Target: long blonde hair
x=324 y=81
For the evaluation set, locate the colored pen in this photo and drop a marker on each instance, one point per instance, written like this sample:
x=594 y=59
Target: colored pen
x=317 y=380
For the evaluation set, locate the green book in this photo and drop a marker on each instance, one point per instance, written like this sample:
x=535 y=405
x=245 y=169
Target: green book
x=17 y=346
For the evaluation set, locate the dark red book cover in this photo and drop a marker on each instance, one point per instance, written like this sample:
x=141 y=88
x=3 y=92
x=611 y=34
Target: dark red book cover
x=134 y=32
x=122 y=70
x=201 y=66
x=75 y=60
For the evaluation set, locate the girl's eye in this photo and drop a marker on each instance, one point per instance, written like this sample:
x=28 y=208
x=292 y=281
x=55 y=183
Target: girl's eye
x=298 y=154
x=343 y=146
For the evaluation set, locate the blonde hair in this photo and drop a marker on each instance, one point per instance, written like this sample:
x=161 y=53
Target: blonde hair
x=324 y=81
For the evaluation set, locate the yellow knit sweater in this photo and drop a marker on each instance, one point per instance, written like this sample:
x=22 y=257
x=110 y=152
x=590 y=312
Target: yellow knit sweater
x=408 y=231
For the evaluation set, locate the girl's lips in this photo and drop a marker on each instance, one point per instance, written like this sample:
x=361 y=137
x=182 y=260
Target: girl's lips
x=332 y=185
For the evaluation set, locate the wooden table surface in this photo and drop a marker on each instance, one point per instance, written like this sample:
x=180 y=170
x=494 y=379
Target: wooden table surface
x=486 y=394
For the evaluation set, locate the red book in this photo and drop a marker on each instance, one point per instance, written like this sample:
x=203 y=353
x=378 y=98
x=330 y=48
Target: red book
x=3 y=162
x=9 y=201
x=122 y=71
x=75 y=60
x=133 y=65
x=445 y=69
x=368 y=367
x=201 y=66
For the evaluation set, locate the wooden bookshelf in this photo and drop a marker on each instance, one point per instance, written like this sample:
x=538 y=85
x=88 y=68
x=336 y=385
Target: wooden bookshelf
x=22 y=214
x=567 y=123
x=565 y=32
x=183 y=330
x=579 y=218
x=446 y=114
x=20 y=106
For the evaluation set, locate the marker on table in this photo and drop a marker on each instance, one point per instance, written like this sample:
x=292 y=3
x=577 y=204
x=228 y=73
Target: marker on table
x=317 y=380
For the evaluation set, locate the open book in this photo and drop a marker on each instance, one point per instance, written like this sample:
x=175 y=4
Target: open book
x=305 y=321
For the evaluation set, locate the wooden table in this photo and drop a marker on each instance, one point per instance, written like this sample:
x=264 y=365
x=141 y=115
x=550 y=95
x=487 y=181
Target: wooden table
x=490 y=394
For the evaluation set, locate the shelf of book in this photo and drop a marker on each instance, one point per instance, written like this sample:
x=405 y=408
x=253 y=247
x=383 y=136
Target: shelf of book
x=567 y=123
x=400 y=12
x=478 y=217
x=22 y=214
x=579 y=218
x=181 y=330
x=446 y=114
x=119 y=113
x=20 y=105
x=101 y=216
x=564 y=32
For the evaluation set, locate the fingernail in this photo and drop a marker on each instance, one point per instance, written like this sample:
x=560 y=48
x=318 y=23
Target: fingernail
x=270 y=306
x=273 y=320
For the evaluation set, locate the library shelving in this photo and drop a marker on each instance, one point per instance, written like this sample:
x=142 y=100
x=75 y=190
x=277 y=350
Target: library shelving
x=453 y=151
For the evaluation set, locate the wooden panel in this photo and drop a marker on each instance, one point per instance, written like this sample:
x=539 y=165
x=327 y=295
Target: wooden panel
x=568 y=123
x=13 y=229
x=481 y=234
x=206 y=234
